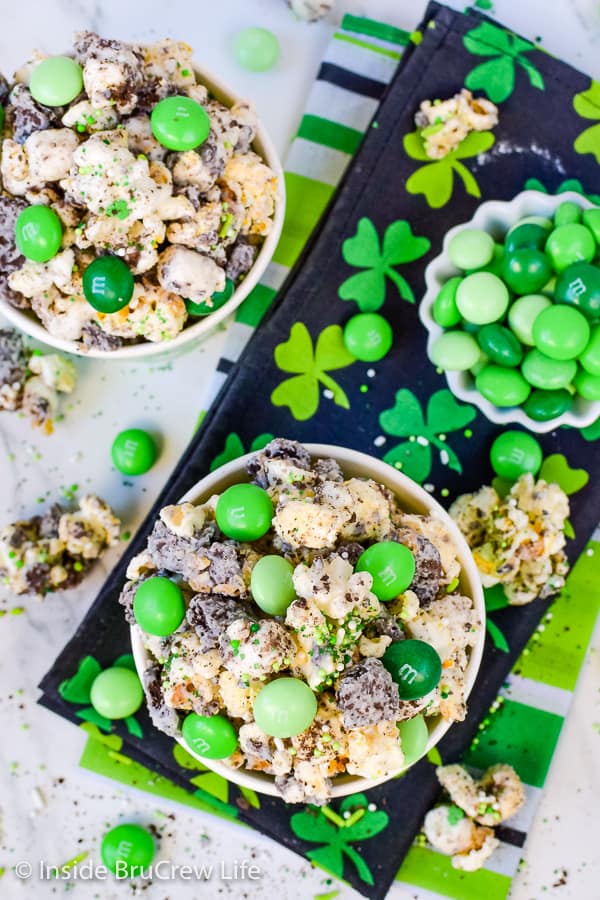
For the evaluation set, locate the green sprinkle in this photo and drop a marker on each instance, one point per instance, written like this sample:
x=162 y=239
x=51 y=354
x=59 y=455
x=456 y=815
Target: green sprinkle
x=185 y=72
x=254 y=627
x=19 y=564
x=455 y=814
x=77 y=566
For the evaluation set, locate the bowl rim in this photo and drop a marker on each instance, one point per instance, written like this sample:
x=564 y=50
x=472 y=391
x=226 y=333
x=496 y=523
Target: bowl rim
x=28 y=322
x=410 y=494
x=488 y=216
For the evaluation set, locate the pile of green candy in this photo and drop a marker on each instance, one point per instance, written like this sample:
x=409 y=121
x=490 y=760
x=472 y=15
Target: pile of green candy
x=524 y=318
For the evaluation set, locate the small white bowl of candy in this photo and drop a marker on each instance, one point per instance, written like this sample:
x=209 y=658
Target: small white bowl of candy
x=142 y=199
x=512 y=308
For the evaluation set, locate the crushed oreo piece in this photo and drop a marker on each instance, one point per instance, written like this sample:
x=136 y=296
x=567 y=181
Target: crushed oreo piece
x=350 y=552
x=94 y=338
x=280 y=448
x=366 y=694
x=13 y=359
x=328 y=470
x=428 y=565
x=241 y=259
x=210 y=614
x=179 y=555
x=24 y=116
x=163 y=717
x=385 y=624
x=10 y=256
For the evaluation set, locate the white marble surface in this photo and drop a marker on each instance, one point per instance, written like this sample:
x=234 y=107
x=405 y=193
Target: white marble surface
x=38 y=751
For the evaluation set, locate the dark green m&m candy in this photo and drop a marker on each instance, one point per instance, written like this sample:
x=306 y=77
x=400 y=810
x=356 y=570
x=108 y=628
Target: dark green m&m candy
x=392 y=566
x=158 y=606
x=500 y=345
x=38 y=233
x=445 y=311
x=244 y=512
x=579 y=286
x=529 y=236
x=127 y=850
x=179 y=123
x=543 y=406
x=211 y=736
x=217 y=300
x=526 y=270
x=108 y=284
x=133 y=451
x=415 y=667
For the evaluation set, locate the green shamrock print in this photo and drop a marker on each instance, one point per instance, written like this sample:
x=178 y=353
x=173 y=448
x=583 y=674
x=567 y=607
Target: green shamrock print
x=496 y=77
x=435 y=179
x=364 y=251
x=556 y=470
x=325 y=826
x=309 y=367
x=234 y=448
x=414 y=456
x=495 y=598
x=209 y=783
x=592 y=432
x=587 y=105
x=570 y=184
x=77 y=689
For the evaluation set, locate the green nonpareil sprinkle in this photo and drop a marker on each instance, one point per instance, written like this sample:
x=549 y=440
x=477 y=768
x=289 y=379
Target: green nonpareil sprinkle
x=17 y=611
x=126 y=535
x=254 y=627
x=185 y=72
x=77 y=566
x=11 y=554
x=71 y=863
x=455 y=814
x=19 y=564
x=227 y=220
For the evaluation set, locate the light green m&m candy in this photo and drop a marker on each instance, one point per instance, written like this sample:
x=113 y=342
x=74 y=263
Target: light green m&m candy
x=413 y=734
x=213 y=737
x=56 y=81
x=392 y=566
x=591 y=219
x=217 y=300
x=368 y=337
x=482 y=298
x=567 y=213
x=158 y=606
x=285 y=707
x=179 y=123
x=108 y=284
x=568 y=244
x=415 y=667
x=590 y=358
x=133 y=451
x=587 y=385
x=445 y=311
x=256 y=49
x=116 y=693
x=502 y=387
x=454 y=351
x=561 y=332
x=523 y=313
x=549 y=374
x=272 y=585
x=514 y=453
x=38 y=233
x=127 y=850
x=471 y=248
x=244 y=512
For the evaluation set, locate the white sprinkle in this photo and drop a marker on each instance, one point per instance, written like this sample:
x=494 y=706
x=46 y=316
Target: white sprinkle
x=430 y=488
x=327 y=393
x=371 y=807
x=380 y=441
x=422 y=441
x=589 y=552
x=346 y=814
x=444 y=458
x=370 y=373
x=38 y=799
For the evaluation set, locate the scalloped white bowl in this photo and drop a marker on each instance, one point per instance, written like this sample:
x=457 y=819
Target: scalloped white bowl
x=202 y=328
x=496 y=217
x=413 y=499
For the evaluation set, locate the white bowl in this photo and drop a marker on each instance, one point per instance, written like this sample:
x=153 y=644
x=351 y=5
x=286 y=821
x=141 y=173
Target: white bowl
x=412 y=499
x=28 y=322
x=496 y=217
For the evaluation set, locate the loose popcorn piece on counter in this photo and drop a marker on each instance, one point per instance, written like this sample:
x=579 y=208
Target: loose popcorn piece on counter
x=311 y=10
x=463 y=829
x=445 y=124
x=326 y=643
x=54 y=551
x=31 y=381
x=517 y=541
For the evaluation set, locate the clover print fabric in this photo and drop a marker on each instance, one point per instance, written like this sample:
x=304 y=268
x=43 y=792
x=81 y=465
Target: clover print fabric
x=296 y=379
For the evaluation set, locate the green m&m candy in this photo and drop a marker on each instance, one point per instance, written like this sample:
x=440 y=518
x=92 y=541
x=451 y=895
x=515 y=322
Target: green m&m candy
x=127 y=850
x=415 y=667
x=567 y=213
x=471 y=248
x=445 y=311
x=548 y=374
x=285 y=707
x=368 y=337
x=272 y=585
x=481 y=298
x=217 y=300
x=526 y=270
x=158 y=606
x=495 y=264
x=542 y=221
x=523 y=313
x=38 y=233
x=392 y=566
x=133 y=451
x=500 y=345
x=108 y=284
x=591 y=219
x=514 y=453
x=590 y=358
x=244 y=512
x=116 y=693
x=213 y=737
x=543 y=406
x=56 y=81
x=256 y=49
x=568 y=244
x=501 y=386
x=587 y=385
x=579 y=286
x=179 y=123
x=530 y=236
x=561 y=332
x=454 y=351
x=413 y=734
